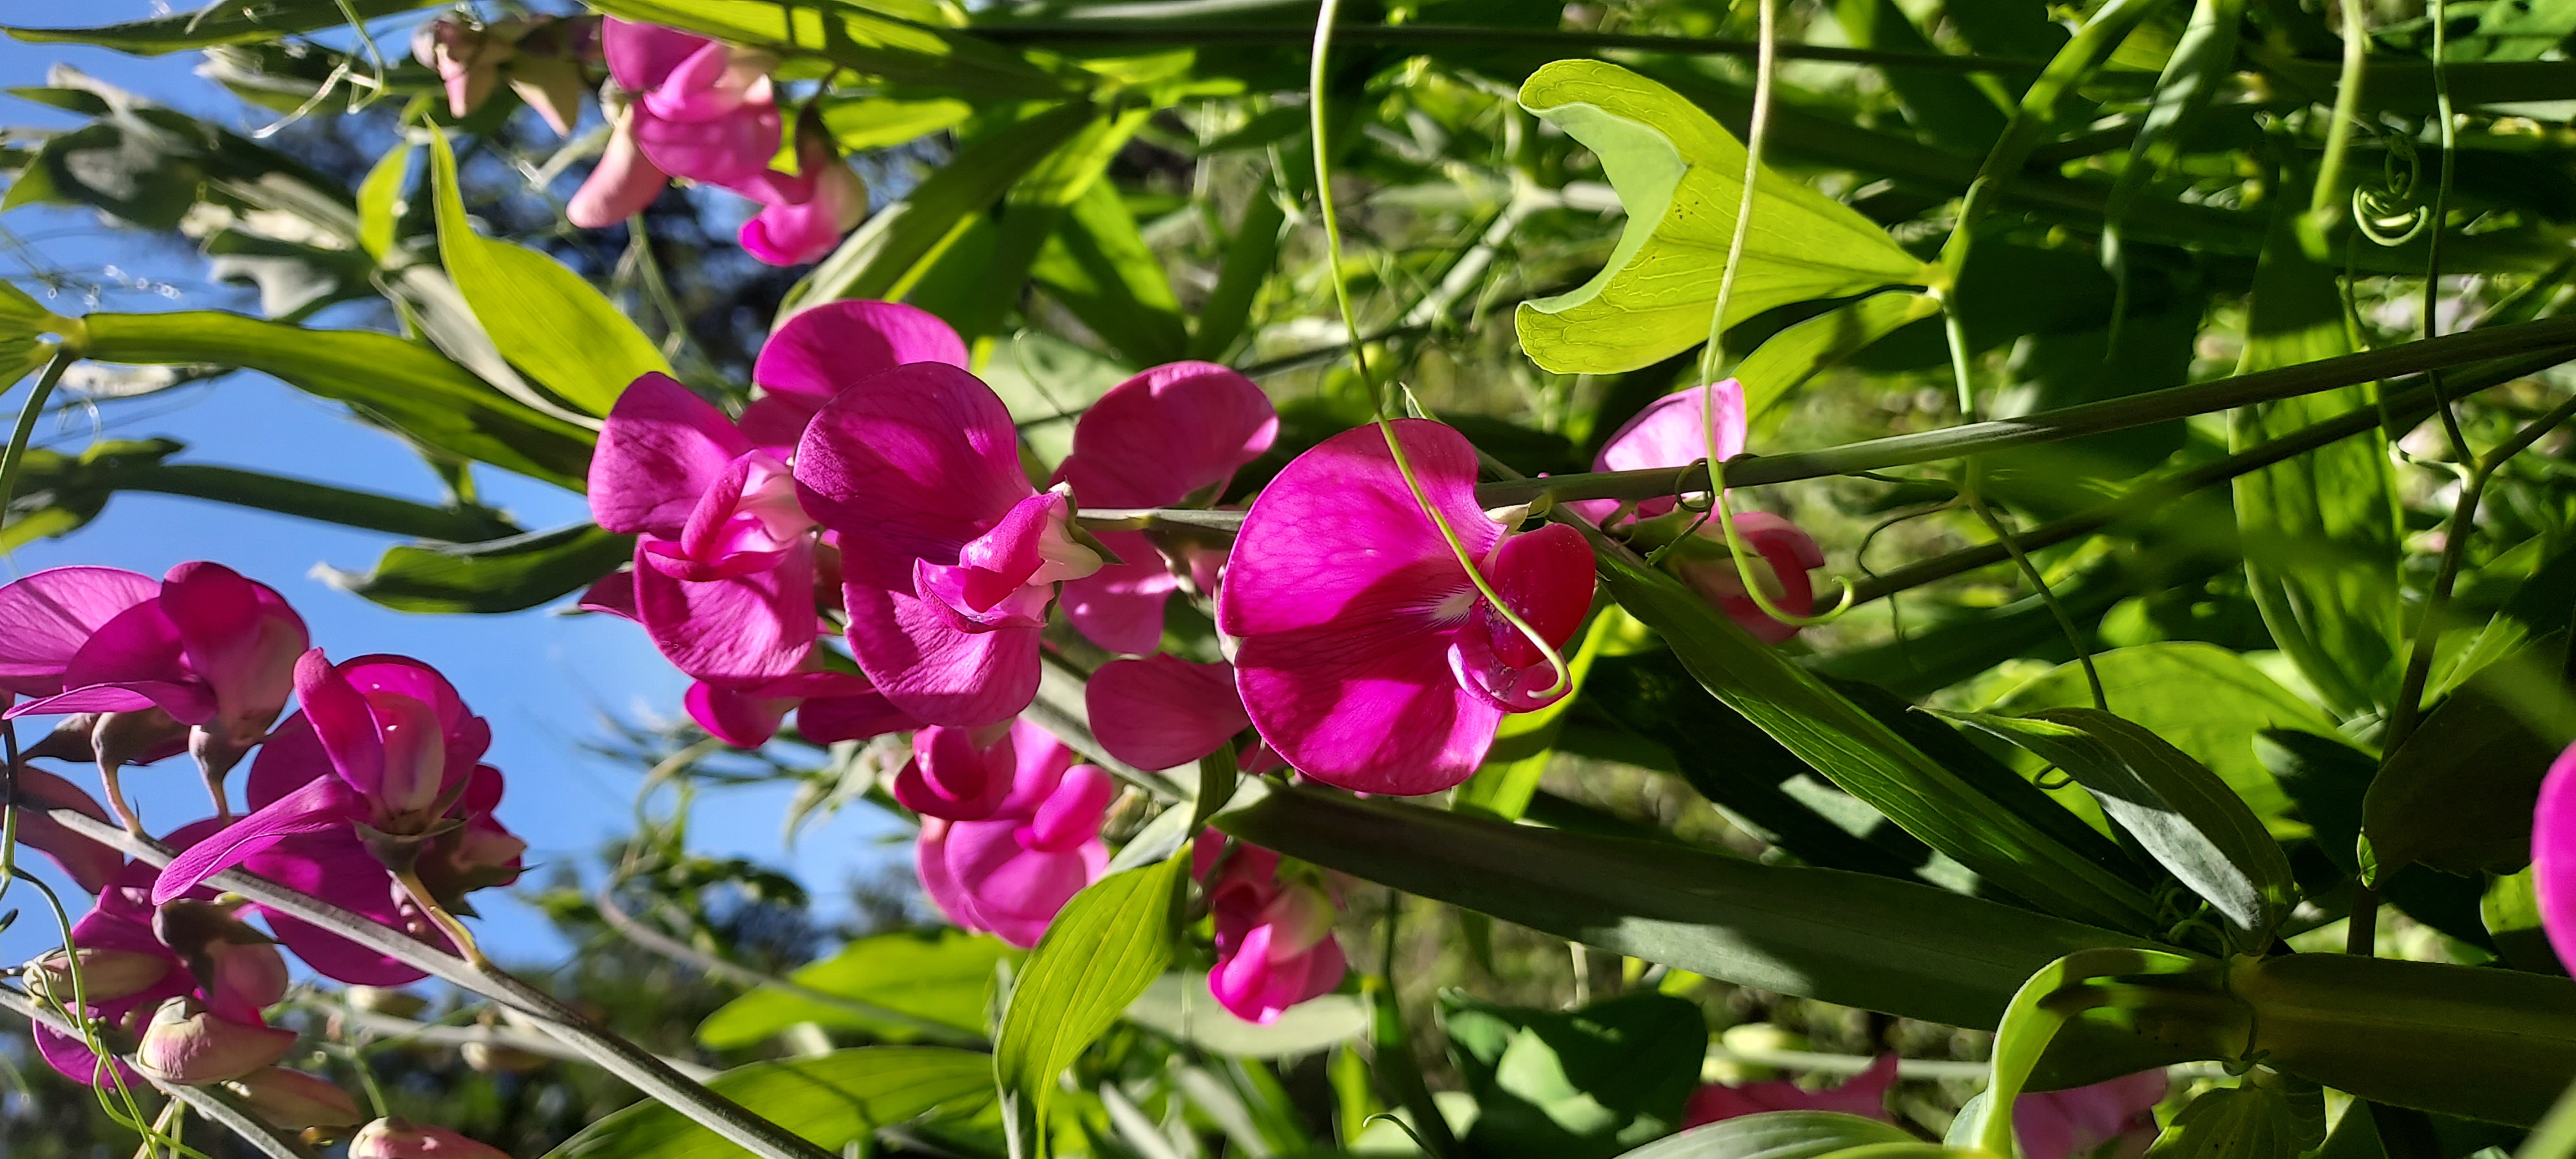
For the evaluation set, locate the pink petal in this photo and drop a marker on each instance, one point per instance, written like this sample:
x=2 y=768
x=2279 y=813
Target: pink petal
x=1071 y=815
x=342 y=721
x=933 y=671
x=1043 y=761
x=857 y=716
x=721 y=150
x=291 y=759
x=819 y=352
x=742 y=631
x=139 y=651
x=1546 y=576
x=1669 y=433
x=1791 y=553
x=241 y=638
x=642 y=56
x=1120 y=607
x=621 y=185
x=466 y=735
x=1171 y=431
x=131 y=696
x=71 y=1058
x=1864 y=1094
x=1007 y=889
x=743 y=719
x=336 y=867
x=89 y=863
x=320 y=807
x=745 y=521
x=1163 y=712
x=2553 y=855
x=613 y=594
x=957 y=773
x=911 y=463
x=834 y=201
x=46 y=617
x=661 y=449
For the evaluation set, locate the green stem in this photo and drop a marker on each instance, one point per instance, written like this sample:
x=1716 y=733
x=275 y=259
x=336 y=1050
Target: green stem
x=16 y=456
x=2324 y=204
x=1471 y=36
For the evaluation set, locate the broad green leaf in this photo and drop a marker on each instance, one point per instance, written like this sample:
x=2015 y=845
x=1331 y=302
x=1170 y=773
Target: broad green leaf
x=858 y=37
x=500 y=575
x=1847 y=938
x=833 y=1100
x=2511 y=910
x=2320 y=531
x=1789 y=358
x=2247 y=1122
x=82 y=484
x=1098 y=266
x=379 y=195
x=2202 y=699
x=1870 y=760
x=1248 y=261
x=879 y=122
x=1178 y=1006
x=2187 y=818
x=545 y=318
x=1502 y=786
x=1775 y=1135
x=294 y=279
x=886 y=255
x=1590 y=1082
x=2477 y=1042
x=222 y=22
x=2458 y=795
x=1681 y=178
x=946 y=977
x=407 y=387
x=1103 y=950
x=2325 y=780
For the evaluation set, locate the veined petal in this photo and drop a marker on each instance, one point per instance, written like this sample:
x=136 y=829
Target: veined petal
x=743 y=630
x=932 y=670
x=660 y=450
x=2553 y=855
x=819 y=352
x=47 y=617
x=241 y=638
x=291 y=758
x=342 y=721
x=641 y=56
x=1163 y=712
x=1546 y=576
x=139 y=650
x=1171 y=431
x=1120 y=607
x=1669 y=433
x=907 y=464
x=319 y=807
x=336 y=867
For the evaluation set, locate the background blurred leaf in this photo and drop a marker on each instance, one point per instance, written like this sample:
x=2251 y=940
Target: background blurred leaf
x=222 y=22
x=2247 y=1122
x=833 y=1099
x=946 y=976
x=501 y=575
x=1775 y=1135
x=1179 y=1007
x=853 y=35
x=1789 y=358
x=2459 y=795
x=1099 y=267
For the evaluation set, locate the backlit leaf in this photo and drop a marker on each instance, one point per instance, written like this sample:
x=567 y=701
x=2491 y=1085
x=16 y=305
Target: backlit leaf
x=1791 y=357
x=833 y=1100
x=1104 y=949
x=946 y=977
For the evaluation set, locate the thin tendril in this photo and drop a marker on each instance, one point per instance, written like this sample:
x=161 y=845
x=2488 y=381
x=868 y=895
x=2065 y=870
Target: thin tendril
x=1744 y=556
x=1562 y=675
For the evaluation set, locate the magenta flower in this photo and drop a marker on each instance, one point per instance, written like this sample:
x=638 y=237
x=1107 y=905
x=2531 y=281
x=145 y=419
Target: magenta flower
x=1864 y=1094
x=213 y=650
x=1173 y=434
x=1274 y=935
x=88 y=863
x=1163 y=712
x=1668 y=433
x=948 y=556
x=822 y=351
x=2553 y=855
x=1008 y=873
x=466 y=57
x=1365 y=655
x=698 y=110
x=829 y=706
x=803 y=217
x=724 y=559
x=2065 y=1124
x=958 y=774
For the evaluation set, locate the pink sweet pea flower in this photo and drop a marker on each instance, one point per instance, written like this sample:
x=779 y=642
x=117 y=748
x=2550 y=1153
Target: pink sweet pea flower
x=820 y=352
x=958 y=774
x=213 y=650
x=1175 y=433
x=1008 y=874
x=1366 y=657
x=621 y=185
x=1274 y=935
x=1668 y=433
x=1163 y=712
x=724 y=559
x=803 y=217
x=2066 y=1124
x=89 y=863
x=949 y=557
x=702 y=110
x=1864 y=1094
x=467 y=58
x=2553 y=856
x=829 y=706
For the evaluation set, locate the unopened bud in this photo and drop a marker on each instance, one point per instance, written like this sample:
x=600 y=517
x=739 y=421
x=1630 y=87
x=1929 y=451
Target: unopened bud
x=237 y=967
x=292 y=1100
x=400 y=1139
x=382 y=1000
x=105 y=975
x=188 y=1045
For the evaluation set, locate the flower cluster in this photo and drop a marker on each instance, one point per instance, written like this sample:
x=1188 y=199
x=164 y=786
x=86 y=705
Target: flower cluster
x=371 y=795
x=678 y=106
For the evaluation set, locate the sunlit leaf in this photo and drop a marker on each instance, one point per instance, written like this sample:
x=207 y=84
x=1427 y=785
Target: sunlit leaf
x=945 y=977
x=833 y=1100
x=1789 y=358
x=858 y=36
x=1100 y=268
x=1775 y=1135
x=501 y=575
x=1180 y=1007
x=880 y=122
x=1681 y=178
x=1107 y=945
x=1592 y=1081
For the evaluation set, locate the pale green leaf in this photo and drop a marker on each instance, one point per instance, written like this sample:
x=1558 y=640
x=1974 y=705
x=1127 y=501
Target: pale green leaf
x=833 y=1100
x=1681 y=177
x=1179 y=1006
x=1102 y=951
x=2247 y=1122
x=946 y=977
x=545 y=318
x=1789 y=358
x=379 y=198
x=880 y=122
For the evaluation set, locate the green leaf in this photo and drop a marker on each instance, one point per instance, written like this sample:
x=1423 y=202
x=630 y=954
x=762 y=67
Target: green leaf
x=1789 y=358
x=881 y=122
x=223 y=22
x=2320 y=531
x=1775 y=1135
x=1103 y=950
x=1870 y=760
x=886 y=255
x=1098 y=266
x=407 y=387
x=2202 y=64
x=1502 y=786
x=2247 y=1122
x=853 y=35
x=2457 y=1040
x=1681 y=178
x=2511 y=910
x=2188 y=819
x=2458 y=796
x=1179 y=1007
x=1947 y=107
x=500 y=575
x=294 y=280
x=2203 y=699
x=1248 y=261
x=833 y=1099
x=547 y=321
x=1847 y=938
x=946 y=977
x=378 y=197
x=1590 y=1082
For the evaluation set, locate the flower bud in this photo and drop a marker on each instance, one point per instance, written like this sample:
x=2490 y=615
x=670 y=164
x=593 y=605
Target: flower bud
x=400 y=1139
x=105 y=975
x=384 y=1000
x=292 y=1100
x=237 y=968
x=188 y=1045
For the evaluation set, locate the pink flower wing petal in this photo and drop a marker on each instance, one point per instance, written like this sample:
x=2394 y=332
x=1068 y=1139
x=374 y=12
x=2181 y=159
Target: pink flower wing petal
x=47 y=617
x=821 y=351
x=1669 y=433
x=240 y=637
x=324 y=805
x=1120 y=607
x=722 y=150
x=744 y=630
x=641 y=56
x=933 y=671
x=661 y=448
x=337 y=868
x=89 y=863
x=1162 y=712
x=910 y=463
x=623 y=184
x=1166 y=433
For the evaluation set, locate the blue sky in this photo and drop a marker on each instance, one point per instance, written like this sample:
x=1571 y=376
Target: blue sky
x=545 y=681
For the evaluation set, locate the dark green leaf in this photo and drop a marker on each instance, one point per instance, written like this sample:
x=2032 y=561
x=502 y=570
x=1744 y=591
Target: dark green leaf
x=946 y=977
x=1248 y=259
x=1791 y=357
x=1099 y=267
x=1775 y=1135
x=1947 y=107
x=2459 y=795
x=501 y=575
x=1593 y=1081
x=834 y=1100
x=2187 y=818
x=2202 y=63
x=1107 y=945
x=409 y=388
x=2457 y=1040
x=2511 y=910
x=223 y=22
